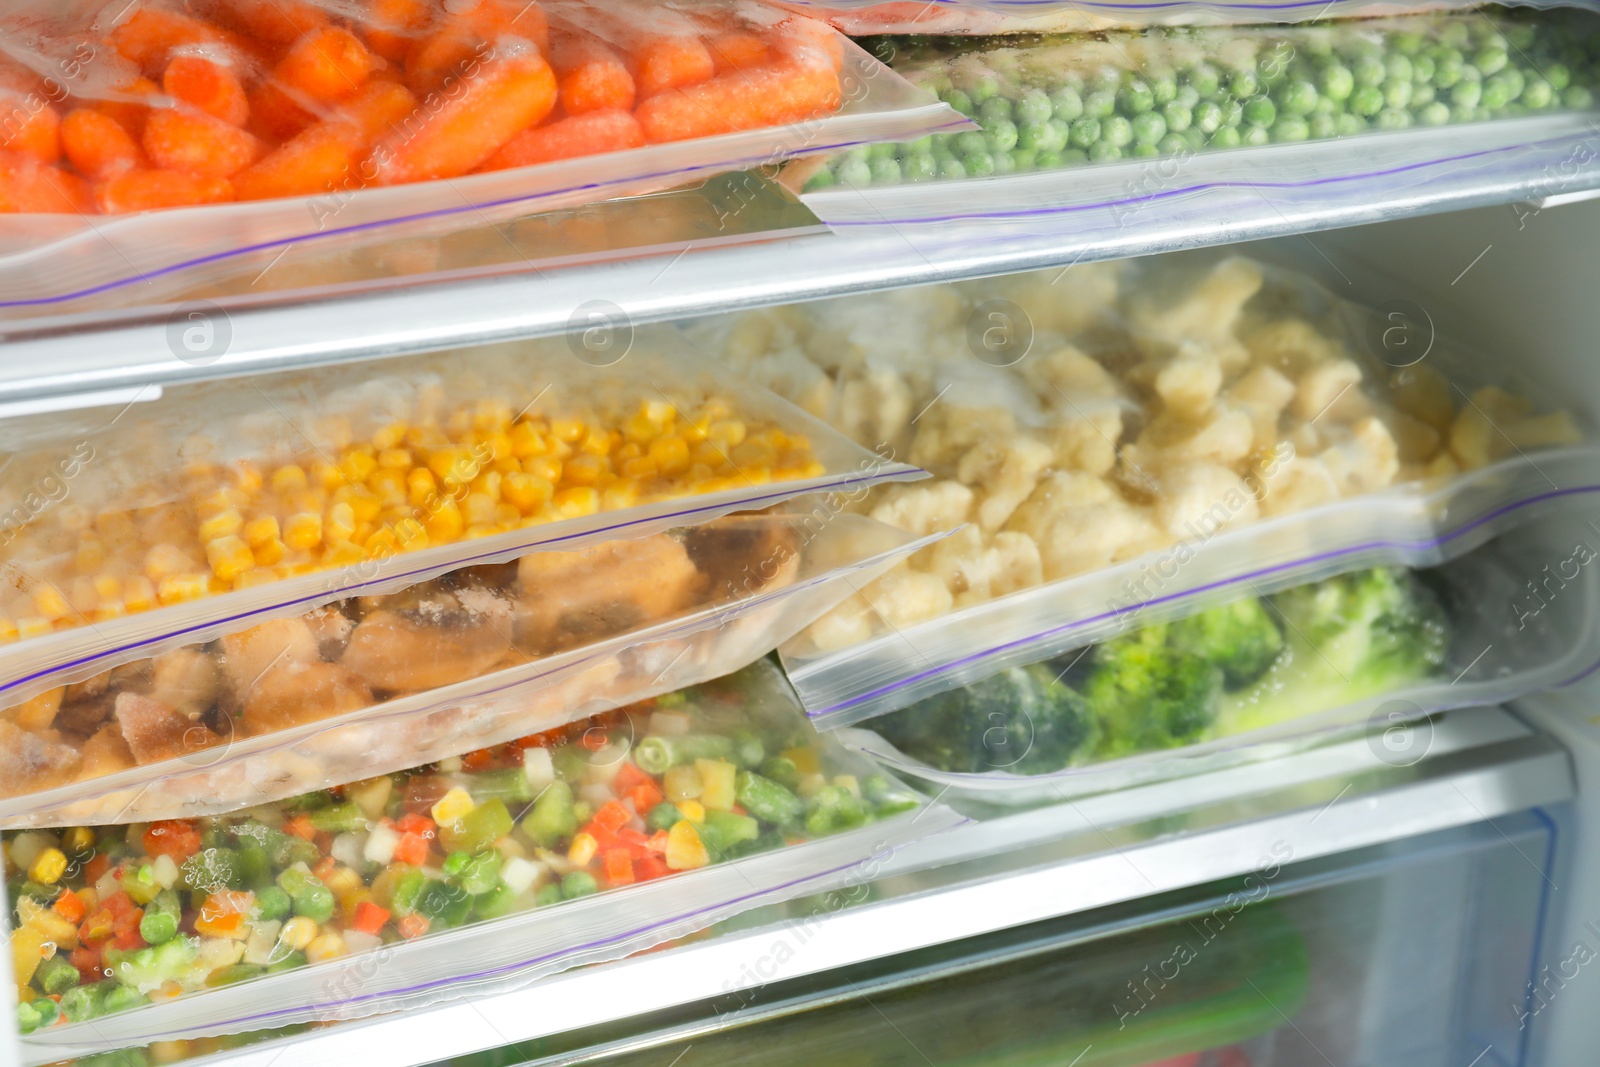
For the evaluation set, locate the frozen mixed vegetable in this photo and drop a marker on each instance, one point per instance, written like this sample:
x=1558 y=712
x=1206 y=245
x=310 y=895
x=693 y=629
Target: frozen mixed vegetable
x=360 y=651
x=1124 y=410
x=1049 y=102
x=202 y=101
x=106 y=918
x=1240 y=666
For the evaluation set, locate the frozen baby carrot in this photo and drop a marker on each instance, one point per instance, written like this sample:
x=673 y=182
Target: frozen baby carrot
x=736 y=50
x=278 y=22
x=442 y=56
x=27 y=186
x=393 y=24
x=30 y=126
x=326 y=64
x=591 y=76
x=323 y=157
x=274 y=114
x=520 y=18
x=581 y=135
x=97 y=144
x=151 y=34
x=741 y=100
x=207 y=85
x=670 y=62
x=377 y=107
x=503 y=96
x=125 y=104
x=183 y=138
x=145 y=190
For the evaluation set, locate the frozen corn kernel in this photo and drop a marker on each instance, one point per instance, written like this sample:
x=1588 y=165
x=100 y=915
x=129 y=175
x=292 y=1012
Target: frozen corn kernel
x=49 y=602
x=288 y=479
x=89 y=557
x=326 y=947
x=583 y=470
x=568 y=431
x=671 y=454
x=138 y=594
x=357 y=464
x=48 y=868
x=8 y=631
x=33 y=626
x=229 y=557
x=258 y=532
x=303 y=531
x=446 y=523
x=298 y=933
x=270 y=553
x=421 y=487
x=181 y=588
x=527 y=492
x=165 y=560
x=582 y=850
x=340 y=523
x=578 y=501
x=454 y=805
x=526 y=441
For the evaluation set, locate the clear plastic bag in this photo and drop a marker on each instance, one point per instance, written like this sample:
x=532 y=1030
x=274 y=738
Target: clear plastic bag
x=264 y=125
x=1371 y=651
x=1100 y=134
x=378 y=683
x=128 y=533
x=484 y=873
x=1114 y=438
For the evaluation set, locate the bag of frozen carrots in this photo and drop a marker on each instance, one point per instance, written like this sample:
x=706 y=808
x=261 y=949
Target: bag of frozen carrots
x=571 y=846
x=311 y=114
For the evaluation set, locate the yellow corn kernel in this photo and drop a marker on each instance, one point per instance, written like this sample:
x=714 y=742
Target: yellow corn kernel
x=504 y=465
x=685 y=850
x=388 y=486
x=692 y=810
x=658 y=413
x=382 y=544
x=269 y=553
x=261 y=575
x=164 y=560
x=138 y=594
x=639 y=467
x=219 y=500
x=454 y=805
x=78 y=840
x=108 y=587
x=479 y=509
x=326 y=946
x=395 y=459
x=288 y=479
x=597 y=442
x=49 y=866
x=229 y=557
x=717 y=408
x=709 y=454
x=671 y=454
x=451 y=465
x=526 y=441
x=340 y=523
x=726 y=432
x=546 y=467
x=488 y=483
x=89 y=557
x=480 y=529
x=568 y=431
x=297 y=933
x=49 y=602
x=410 y=533
x=389 y=436
x=357 y=465
x=506 y=516
x=583 y=848
x=804 y=759
x=343 y=881
x=446 y=523
x=421 y=487
x=182 y=587
x=327 y=475
x=583 y=470
x=631 y=450
x=83 y=596
x=619 y=496
x=578 y=501
x=498 y=444
x=364 y=503
x=247 y=477
x=343 y=553
x=303 y=531
x=258 y=532
x=492 y=416
x=694 y=432
x=33 y=626
x=8 y=631
x=527 y=492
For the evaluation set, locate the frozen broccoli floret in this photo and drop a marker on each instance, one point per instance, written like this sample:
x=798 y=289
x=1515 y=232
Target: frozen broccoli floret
x=1241 y=638
x=1146 y=694
x=1023 y=720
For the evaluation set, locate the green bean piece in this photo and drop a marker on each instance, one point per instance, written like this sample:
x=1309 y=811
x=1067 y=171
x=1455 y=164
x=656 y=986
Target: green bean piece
x=340 y=818
x=767 y=800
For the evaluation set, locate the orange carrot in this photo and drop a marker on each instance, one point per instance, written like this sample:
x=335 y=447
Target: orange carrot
x=442 y=56
x=323 y=157
x=503 y=96
x=737 y=50
x=743 y=100
x=326 y=64
x=275 y=115
x=810 y=43
x=182 y=138
x=669 y=63
x=28 y=124
x=379 y=106
x=145 y=190
x=582 y=135
x=521 y=18
x=278 y=22
x=28 y=186
x=207 y=85
x=591 y=76
x=393 y=24
x=124 y=104
x=97 y=144
x=149 y=37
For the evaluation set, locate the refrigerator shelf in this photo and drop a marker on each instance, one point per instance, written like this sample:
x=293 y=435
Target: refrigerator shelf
x=1004 y=873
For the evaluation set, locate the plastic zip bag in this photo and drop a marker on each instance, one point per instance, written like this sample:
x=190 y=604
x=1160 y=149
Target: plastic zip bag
x=1143 y=112
x=1136 y=432
x=303 y=703
x=560 y=849
x=336 y=130
x=1248 y=679
x=129 y=533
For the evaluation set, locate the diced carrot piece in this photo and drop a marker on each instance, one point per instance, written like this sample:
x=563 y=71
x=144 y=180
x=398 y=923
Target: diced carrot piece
x=181 y=138
x=591 y=76
x=618 y=867
x=301 y=826
x=177 y=839
x=97 y=145
x=507 y=94
x=737 y=50
x=275 y=115
x=628 y=778
x=69 y=906
x=87 y=959
x=29 y=125
x=413 y=823
x=391 y=26
x=650 y=867
x=369 y=917
x=327 y=64
x=582 y=135
x=150 y=35
x=412 y=849
x=325 y=867
x=278 y=22
x=124 y=104
x=612 y=816
x=742 y=100
x=669 y=63
x=646 y=795
x=96 y=867
x=207 y=85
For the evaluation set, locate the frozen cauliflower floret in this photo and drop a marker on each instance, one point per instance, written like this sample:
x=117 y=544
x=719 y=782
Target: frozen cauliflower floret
x=1294 y=484
x=1262 y=393
x=947 y=429
x=1200 y=498
x=1087 y=443
x=792 y=376
x=848 y=624
x=1417 y=441
x=1188 y=385
x=1329 y=390
x=874 y=406
x=1365 y=461
x=905 y=597
x=1425 y=395
x=1065 y=302
x=1493 y=424
x=1292 y=345
x=924 y=508
x=1080 y=522
x=1209 y=311
x=975 y=571
x=1068 y=378
x=1004 y=472
x=1226 y=437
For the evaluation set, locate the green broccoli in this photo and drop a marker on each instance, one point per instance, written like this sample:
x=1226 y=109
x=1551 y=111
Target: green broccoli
x=1148 y=695
x=1242 y=638
x=1348 y=638
x=1023 y=720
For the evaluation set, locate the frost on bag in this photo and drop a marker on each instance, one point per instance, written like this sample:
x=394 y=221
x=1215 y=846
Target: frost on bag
x=1370 y=649
x=339 y=123
x=573 y=846
x=465 y=660
x=1116 y=435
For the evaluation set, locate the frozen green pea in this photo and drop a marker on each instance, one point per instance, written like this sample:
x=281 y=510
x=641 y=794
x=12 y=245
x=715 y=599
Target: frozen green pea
x=1273 y=63
x=1515 y=81
x=1324 y=106
x=1337 y=82
x=1232 y=113
x=1321 y=127
x=1255 y=136
x=854 y=171
x=1099 y=104
x=921 y=144
x=1071 y=157
x=1034 y=107
x=1068 y=80
x=1557 y=75
x=1140 y=150
x=1135 y=98
x=1466 y=94
x=1173 y=144
x=1003 y=163
x=951 y=169
x=1290 y=128
x=960 y=101
x=1366 y=101
x=1033 y=135
x=1104 y=152
x=1577 y=98
x=1148 y=128
x=971 y=141
x=1163 y=86
x=1406 y=43
x=1260 y=111
x=1187 y=97
x=1519 y=35
x=1000 y=136
x=1177 y=116
x=1059 y=133
x=1448 y=68
x=995 y=109
x=1538 y=94
x=822 y=179
x=1109 y=80
x=984 y=88
x=1049 y=161
x=1244 y=84
x=885 y=172
x=1369 y=70
x=1084 y=132
x=1434 y=114
x=1204 y=79
x=1066 y=104
x=1422 y=94
x=978 y=164
x=1297 y=97
x=1490 y=59
x=1226 y=137
x=1348 y=124
x=1463 y=114
x=1116 y=130
x=1397 y=94
x=1454 y=33
x=1399 y=68
x=1207 y=116
x=1194 y=139
x=1495 y=94
x=1422 y=68
x=1023 y=159
x=1392 y=118
x=919 y=167
x=887 y=150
